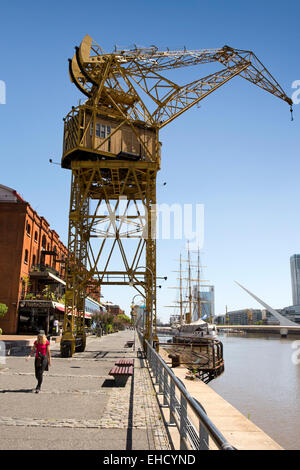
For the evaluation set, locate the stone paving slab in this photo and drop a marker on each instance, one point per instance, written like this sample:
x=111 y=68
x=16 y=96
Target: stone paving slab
x=55 y=438
x=32 y=405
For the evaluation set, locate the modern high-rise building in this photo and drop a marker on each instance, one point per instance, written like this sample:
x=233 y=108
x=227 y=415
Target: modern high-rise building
x=207 y=306
x=295 y=277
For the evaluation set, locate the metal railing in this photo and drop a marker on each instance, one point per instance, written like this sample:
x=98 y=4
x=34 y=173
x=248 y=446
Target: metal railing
x=178 y=399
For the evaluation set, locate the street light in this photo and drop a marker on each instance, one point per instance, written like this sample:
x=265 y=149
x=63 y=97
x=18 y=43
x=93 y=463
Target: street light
x=132 y=303
x=151 y=316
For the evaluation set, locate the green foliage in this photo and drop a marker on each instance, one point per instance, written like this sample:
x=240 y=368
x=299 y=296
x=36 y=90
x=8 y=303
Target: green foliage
x=48 y=293
x=124 y=319
x=3 y=310
x=103 y=320
x=30 y=296
x=62 y=299
x=118 y=324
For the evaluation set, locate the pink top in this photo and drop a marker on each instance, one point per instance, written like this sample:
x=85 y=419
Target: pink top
x=42 y=348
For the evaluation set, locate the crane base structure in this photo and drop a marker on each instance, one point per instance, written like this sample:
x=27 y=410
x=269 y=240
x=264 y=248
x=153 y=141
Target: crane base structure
x=112 y=148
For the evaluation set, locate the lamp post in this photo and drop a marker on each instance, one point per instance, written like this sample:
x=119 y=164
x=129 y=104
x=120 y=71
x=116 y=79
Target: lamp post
x=132 y=305
x=151 y=313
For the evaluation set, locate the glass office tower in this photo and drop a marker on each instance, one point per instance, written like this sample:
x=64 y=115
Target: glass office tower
x=295 y=276
x=207 y=297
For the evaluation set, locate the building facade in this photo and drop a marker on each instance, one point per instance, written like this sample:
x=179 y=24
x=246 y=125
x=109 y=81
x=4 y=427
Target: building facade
x=112 y=308
x=206 y=309
x=241 y=317
x=292 y=313
x=295 y=278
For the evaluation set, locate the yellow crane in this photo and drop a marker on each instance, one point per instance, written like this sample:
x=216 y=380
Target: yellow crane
x=111 y=145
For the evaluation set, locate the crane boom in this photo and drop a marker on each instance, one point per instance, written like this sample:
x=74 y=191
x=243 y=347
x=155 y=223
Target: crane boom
x=120 y=80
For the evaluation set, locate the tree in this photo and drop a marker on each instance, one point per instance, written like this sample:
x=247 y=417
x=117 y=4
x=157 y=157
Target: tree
x=102 y=320
x=3 y=310
x=124 y=318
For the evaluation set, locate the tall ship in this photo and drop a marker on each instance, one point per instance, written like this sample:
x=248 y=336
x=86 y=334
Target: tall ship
x=194 y=336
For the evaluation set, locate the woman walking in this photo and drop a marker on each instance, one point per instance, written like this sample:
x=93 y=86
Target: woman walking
x=41 y=347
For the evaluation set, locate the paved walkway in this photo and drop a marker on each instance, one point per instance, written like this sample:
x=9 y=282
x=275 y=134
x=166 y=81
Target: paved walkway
x=79 y=406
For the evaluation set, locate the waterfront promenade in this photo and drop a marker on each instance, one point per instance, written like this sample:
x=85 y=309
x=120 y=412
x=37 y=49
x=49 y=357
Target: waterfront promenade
x=79 y=407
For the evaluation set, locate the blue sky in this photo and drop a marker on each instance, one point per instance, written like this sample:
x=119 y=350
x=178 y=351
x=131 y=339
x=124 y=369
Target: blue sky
x=238 y=154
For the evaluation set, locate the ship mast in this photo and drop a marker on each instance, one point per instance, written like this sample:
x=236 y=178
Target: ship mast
x=198 y=288
x=181 y=301
x=188 y=318
x=180 y=291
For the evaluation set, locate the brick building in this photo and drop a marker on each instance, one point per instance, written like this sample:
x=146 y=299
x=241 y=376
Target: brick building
x=31 y=256
x=112 y=308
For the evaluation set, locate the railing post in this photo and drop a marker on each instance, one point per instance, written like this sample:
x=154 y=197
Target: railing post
x=183 y=420
x=156 y=368
x=160 y=378
x=149 y=357
x=203 y=437
x=172 y=421
x=165 y=391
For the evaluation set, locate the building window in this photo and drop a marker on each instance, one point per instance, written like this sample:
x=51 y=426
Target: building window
x=35 y=236
x=33 y=260
x=97 y=130
x=28 y=228
x=44 y=242
x=101 y=130
x=26 y=257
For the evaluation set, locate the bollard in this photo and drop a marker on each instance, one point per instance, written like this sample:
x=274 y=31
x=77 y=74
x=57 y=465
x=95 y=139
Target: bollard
x=175 y=359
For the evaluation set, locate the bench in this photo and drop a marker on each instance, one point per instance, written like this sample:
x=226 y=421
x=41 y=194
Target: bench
x=121 y=374
x=125 y=362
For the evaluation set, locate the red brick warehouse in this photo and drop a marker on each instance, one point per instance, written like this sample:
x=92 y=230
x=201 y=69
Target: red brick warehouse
x=25 y=239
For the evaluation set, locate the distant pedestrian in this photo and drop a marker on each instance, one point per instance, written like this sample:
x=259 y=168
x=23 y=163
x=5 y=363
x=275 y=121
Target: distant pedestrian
x=41 y=347
x=55 y=327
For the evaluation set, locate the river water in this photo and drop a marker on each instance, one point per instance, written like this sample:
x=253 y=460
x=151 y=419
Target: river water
x=262 y=380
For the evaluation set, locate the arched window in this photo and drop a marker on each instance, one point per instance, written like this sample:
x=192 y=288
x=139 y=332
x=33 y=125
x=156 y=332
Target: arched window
x=33 y=260
x=28 y=228
x=26 y=257
x=44 y=242
x=35 y=236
